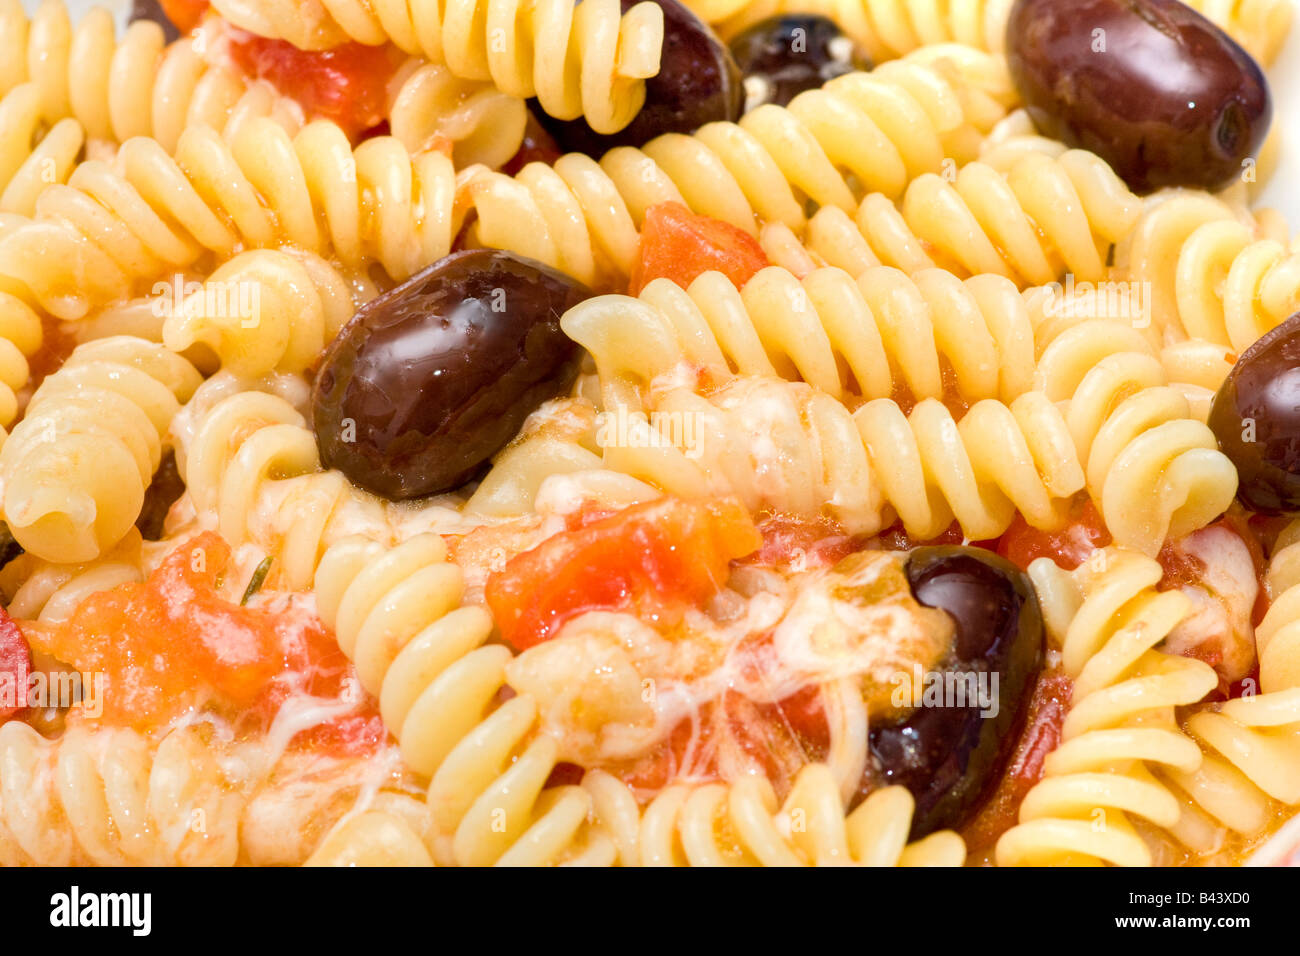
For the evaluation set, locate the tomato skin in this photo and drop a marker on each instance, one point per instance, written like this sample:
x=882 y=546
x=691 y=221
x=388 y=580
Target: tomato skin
x=1068 y=547
x=656 y=558
x=347 y=84
x=16 y=662
x=677 y=244
x=186 y=14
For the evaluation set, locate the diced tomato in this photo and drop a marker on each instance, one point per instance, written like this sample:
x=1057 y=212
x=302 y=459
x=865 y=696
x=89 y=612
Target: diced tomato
x=679 y=245
x=186 y=14
x=1068 y=547
x=1041 y=735
x=1182 y=568
x=348 y=84
x=15 y=666
x=538 y=146
x=656 y=558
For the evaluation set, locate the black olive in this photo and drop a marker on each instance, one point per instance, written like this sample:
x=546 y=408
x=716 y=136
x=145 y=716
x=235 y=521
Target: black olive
x=1256 y=418
x=166 y=487
x=1151 y=86
x=429 y=380
x=152 y=10
x=783 y=56
x=950 y=757
x=698 y=82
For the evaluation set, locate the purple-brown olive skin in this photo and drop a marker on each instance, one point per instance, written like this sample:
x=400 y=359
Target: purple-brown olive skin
x=1256 y=418
x=1172 y=100
x=785 y=55
x=152 y=10
x=698 y=83
x=951 y=758
x=438 y=374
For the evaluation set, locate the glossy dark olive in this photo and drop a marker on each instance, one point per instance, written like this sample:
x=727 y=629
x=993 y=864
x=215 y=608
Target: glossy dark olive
x=1154 y=88
x=951 y=757
x=698 y=82
x=431 y=379
x=783 y=56
x=1256 y=418
x=166 y=486
x=152 y=10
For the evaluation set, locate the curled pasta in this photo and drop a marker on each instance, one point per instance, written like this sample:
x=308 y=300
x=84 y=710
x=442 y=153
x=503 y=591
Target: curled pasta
x=1259 y=735
x=741 y=824
x=133 y=86
x=1031 y=221
x=1261 y=26
x=433 y=106
x=1120 y=728
x=885 y=29
x=861 y=132
x=866 y=338
x=32 y=154
x=577 y=59
x=1153 y=470
x=76 y=467
x=145 y=215
x=397 y=614
x=107 y=797
x=789 y=447
x=263 y=311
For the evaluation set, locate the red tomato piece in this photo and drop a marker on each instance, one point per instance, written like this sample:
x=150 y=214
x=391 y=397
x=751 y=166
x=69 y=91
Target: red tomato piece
x=1068 y=547
x=679 y=245
x=656 y=558
x=348 y=84
x=15 y=665
x=186 y=14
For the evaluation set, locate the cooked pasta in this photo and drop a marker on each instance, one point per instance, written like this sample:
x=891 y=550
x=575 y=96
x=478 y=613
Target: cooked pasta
x=432 y=105
x=123 y=225
x=1120 y=724
x=864 y=339
x=578 y=60
x=1032 y=221
x=263 y=311
x=880 y=129
x=76 y=467
x=1261 y=26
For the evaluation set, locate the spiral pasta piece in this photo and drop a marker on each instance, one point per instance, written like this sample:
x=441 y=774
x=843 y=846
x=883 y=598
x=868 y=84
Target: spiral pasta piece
x=1120 y=725
x=1031 y=221
x=1259 y=735
x=861 y=132
x=1261 y=26
x=741 y=824
x=1153 y=470
x=117 y=226
x=397 y=614
x=263 y=311
x=863 y=339
x=885 y=29
x=585 y=59
x=33 y=155
x=107 y=797
x=76 y=467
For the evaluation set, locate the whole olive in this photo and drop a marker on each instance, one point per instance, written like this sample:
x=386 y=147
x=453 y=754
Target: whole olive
x=429 y=380
x=950 y=756
x=1256 y=418
x=1151 y=86
x=698 y=82
x=783 y=56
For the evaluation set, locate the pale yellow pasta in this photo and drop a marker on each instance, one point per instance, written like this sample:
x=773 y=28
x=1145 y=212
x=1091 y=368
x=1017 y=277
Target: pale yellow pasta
x=1120 y=727
x=861 y=132
x=484 y=125
x=1261 y=26
x=118 y=227
x=76 y=467
x=858 y=339
x=578 y=59
x=263 y=311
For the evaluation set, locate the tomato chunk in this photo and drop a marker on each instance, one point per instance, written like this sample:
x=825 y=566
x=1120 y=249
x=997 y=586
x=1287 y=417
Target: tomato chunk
x=186 y=14
x=656 y=558
x=348 y=84
x=679 y=245
x=1068 y=547
x=15 y=665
